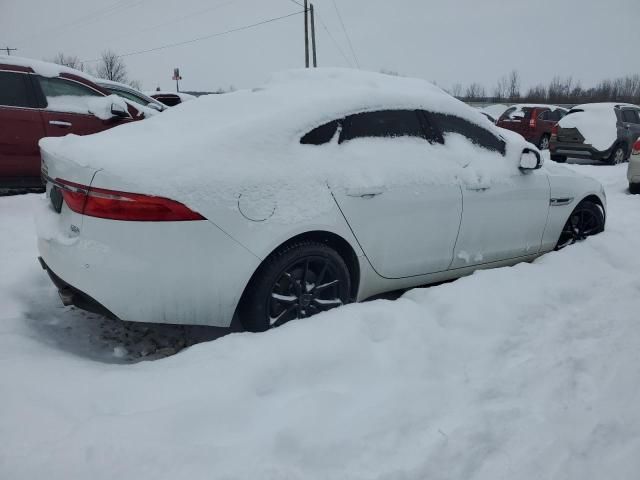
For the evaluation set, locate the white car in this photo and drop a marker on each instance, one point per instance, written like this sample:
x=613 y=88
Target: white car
x=633 y=171
x=323 y=187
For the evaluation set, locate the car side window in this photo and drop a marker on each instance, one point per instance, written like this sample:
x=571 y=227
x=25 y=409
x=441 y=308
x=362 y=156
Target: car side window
x=15 y=90
x=322 y=134
x=630 y=116
x=546 y=115
x=383 y=123
x=475 y=133
x=67 y=96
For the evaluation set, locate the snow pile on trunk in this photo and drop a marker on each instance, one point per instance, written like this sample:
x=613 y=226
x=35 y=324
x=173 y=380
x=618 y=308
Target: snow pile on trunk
x=596 y=122
x=525 y=373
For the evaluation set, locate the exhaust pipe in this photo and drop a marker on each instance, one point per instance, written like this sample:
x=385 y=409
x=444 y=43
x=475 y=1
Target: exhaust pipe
x=66 y=295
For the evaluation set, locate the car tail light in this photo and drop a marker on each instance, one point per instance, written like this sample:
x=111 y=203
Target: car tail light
x=114 y=205
x=554 y=130
x=636 y=148
x=534 y=117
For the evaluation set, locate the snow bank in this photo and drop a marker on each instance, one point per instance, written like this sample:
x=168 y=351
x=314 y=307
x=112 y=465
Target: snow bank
x=595 y=121
x=527 y=372
x=211 y=149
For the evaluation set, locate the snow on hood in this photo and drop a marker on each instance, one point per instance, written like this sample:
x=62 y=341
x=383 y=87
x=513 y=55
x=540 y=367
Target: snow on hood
x=595 y=121
x=215 y=146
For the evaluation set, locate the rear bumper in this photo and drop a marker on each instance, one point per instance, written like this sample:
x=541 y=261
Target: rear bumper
x=577 y=150
x=167 y=272
x=633 y=171
x=71 y=295
x=21 y=183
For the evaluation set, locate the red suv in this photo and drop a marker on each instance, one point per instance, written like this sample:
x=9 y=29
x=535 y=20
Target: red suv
x=39 y=99
x=533 y=122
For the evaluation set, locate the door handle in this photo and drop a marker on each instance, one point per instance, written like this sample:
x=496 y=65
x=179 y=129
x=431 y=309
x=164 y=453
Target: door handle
x=478 y=188
x=60 y=123
x=365 y=192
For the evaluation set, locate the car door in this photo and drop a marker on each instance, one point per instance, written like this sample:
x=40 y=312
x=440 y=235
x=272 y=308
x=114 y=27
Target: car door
x=505 y=210
x=21 y=127
x=68 y=109
x=409 y=227
x=631 y=124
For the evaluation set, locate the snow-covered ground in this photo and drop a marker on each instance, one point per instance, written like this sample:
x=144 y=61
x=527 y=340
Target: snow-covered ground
x=529 y=372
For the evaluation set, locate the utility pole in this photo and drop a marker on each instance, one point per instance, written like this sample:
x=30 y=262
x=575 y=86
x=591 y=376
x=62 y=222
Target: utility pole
x=177 y=78
x=9 y=50
x=306 y=33
x=313 y=38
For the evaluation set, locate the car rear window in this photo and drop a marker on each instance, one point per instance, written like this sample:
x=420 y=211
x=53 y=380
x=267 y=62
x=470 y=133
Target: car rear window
x=322 y=134
x=15 y=90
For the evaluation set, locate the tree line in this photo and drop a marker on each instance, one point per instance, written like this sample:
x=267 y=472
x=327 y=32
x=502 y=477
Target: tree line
x=109 y=67
x=558 y=90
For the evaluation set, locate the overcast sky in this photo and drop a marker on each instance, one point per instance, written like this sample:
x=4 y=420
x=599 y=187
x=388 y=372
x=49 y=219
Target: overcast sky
x=452 y=41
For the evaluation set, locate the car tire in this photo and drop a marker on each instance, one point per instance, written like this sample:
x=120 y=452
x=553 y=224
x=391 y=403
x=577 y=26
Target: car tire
x=634 y=188
x=559 y=158
x=543 y=144
x=618 y=155
x=297 y=281
x=587 y=219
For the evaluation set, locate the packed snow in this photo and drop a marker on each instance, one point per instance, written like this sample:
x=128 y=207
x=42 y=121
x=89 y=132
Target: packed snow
x=248 y=142
x=595 y=121
x=526 y=372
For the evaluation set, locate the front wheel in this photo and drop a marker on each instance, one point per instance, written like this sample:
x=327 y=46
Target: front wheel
x=559 y=158
x=586 y=219
x=295 y=282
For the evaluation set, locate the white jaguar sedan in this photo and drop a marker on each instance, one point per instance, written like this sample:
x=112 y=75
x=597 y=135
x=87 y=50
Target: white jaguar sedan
x=321 y=188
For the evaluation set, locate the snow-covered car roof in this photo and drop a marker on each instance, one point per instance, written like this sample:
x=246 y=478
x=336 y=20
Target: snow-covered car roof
x=218 y=143
x=46 y=69
x=517 y=110
x=596 y=122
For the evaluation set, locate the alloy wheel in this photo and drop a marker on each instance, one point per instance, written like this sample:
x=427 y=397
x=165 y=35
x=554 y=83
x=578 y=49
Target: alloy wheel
x=586 y=220
x=544 y=143
x=308 y=286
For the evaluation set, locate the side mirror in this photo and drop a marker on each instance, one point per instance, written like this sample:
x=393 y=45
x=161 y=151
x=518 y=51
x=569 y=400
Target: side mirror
x=119 y=111
x=530 y=160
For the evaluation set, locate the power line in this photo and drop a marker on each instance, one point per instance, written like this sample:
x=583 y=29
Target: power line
x=9 y=50
x=346 y=34
x=326 y=29
x=86 y=19
x=198 y=39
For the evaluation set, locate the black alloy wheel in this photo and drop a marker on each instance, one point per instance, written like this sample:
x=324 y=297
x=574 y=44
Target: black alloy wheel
x=587 y=219
x=618 y=156
x=544 y=142
x=296 y=282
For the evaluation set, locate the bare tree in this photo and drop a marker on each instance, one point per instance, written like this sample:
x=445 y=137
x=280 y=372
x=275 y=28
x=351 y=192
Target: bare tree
x=70 y=61
x=456 y=90
x=513 y=85
x=111 y=67
x=500 y=91
x=474 y=92
x=135 y=84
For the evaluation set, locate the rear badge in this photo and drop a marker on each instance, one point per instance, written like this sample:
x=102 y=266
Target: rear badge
x=74 y=229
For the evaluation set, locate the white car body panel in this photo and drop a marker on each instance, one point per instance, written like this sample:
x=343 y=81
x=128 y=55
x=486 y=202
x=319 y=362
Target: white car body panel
x=633 y=170
x=503 y=219
x=428 y=217
x=421 y=229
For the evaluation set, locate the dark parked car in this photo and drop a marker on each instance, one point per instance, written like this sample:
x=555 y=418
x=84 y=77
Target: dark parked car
x=601 y=131
x=39 y=99
x=533 y=122
x=170 y=99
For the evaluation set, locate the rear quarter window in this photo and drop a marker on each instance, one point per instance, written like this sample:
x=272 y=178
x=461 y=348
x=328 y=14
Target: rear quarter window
x=15 y=90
